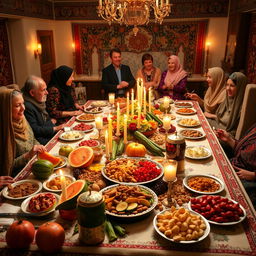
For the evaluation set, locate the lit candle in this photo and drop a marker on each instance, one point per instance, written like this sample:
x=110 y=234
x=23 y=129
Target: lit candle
x=125 y=129
x=111 y=98
x=149 y=100
x=166 y=102
x=118 y=120
x=63 y=186
x=138 y=89
x=166 y=122
x=139 y=113
x=145 y=101
x=157 y=3
x=110 y=133
x=141 y=92
x=170 y=172
x=127 y=104
x=99 y=122
x=132 y=103
x=106 y=144
x=100 y=2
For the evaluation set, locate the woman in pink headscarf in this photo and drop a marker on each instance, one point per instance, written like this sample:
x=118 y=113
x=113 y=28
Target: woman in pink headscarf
x=174 y=80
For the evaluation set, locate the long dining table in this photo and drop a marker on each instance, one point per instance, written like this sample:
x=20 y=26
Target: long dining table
x=141 y=238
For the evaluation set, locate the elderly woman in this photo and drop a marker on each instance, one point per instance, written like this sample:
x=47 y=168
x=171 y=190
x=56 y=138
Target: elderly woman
x=17 y=142
x=61 y=102
x=215 y=94
x=228 y=113
x=174 y=80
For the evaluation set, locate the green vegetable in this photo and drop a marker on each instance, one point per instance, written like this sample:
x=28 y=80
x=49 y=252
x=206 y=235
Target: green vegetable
x=155 y=118
x=114 y=150
x=120 y=147
x=148 y=117
x=110 y=231
x=120 y=231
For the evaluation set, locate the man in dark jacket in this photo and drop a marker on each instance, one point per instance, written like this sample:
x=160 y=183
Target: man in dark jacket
x=117 y=78
x=35 y=93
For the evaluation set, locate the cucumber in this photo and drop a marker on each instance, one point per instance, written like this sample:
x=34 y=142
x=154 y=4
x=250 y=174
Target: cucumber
x=148 y=117
x=120 y=147
x=155 y=118
x=114 y=150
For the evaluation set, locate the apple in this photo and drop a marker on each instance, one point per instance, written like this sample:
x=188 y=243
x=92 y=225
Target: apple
x=65 y=150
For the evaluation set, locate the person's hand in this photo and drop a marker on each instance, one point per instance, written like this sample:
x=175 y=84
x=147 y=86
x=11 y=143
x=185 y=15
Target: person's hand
x=78 y=112
x=5 y=180
x=222 y=134
x=53 y=120
x=209 y=115
x=80 y=107
x=36 y=149
x=192 y=96
x=59 y=127
x=123 y=84
x=244 y=174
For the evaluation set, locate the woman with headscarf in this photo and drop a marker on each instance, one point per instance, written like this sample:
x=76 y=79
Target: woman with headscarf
x=228 y=113
x=17 y=142
x=215 y=94
x=61 y=102
x=174 y=80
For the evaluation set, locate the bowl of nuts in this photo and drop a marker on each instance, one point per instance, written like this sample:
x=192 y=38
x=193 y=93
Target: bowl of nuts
x=53 y=184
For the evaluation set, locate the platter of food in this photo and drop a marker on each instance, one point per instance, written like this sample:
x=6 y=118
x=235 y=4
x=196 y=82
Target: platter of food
x=188 y=122
x=85 y=118
x=197 y=152
x=83 y=127
x=72 y=135
x=53 y=184
x=172 y=224
x=183 y=104
x=99 y=103
x=218 y=210
x=63 y=162
x=132 y=170
x=93 y=110
x=40 y=204
x=203 y=184
x=129 y=201
x=89 y=143
x=186 y=111
x=22 y=189
x=192 y=134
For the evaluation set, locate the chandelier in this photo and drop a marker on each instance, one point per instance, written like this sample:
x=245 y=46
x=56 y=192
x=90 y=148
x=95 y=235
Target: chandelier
x=133 y=12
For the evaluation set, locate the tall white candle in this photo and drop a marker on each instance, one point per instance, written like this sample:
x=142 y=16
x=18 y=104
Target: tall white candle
x=111 y=98
x=110 y=133
x=106 y=144
x=145 y=101
x=99 y=122
x=170 y=172
x=166 y=122
x=132 y=104
x=127 y=104
x=138 y=119
x=125 y=129
x=149 y=100
x=138 y=88
x=118 y=120
x=63 y=186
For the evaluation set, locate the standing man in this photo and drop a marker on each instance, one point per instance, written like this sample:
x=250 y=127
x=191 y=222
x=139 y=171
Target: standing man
x=35 y=93
x=116 y=77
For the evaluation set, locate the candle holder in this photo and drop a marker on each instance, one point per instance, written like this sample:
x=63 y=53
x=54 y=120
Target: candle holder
x=111 y=99
x=170 y=201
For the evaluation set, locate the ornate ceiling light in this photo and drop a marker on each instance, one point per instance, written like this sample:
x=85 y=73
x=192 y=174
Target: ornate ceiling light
x=133 y=12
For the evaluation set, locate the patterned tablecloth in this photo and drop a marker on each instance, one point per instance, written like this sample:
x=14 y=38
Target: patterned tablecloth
x=238 y=239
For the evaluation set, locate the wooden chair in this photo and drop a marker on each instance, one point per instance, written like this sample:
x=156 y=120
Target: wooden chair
x=248 y=111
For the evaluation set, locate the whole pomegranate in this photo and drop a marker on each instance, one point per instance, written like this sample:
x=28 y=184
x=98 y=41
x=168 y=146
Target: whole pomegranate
x=20 y=234
x=50 y=237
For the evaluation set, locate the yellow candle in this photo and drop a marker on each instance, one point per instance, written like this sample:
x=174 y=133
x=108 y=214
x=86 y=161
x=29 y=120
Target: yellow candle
x=125 y=129
x=145 y=101
x=166 y=122
x=118 y=120
x=127 y=104
x=149 y=100
x=132 y=104
x=138 y=88
x=111 y=98
x=106 y=144
x=166 y=102
x=110 y=133
x=99 y=122
x=170 y=172
x=63 y=186
x=138 y=119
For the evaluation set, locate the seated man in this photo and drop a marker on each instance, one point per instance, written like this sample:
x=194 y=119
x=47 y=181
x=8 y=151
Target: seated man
x=35 y=93
x=116 y=77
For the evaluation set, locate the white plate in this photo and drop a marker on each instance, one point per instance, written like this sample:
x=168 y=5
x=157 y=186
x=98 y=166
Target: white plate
x=63 y=164
x=25 y=204
x=161 y=100
x=225 y=223
x=86 y=131
x=189 y=104
x=91 y=112
x=192 y=138
x=99 y=103
x=135 y=183
x=193 y=111
x=153 y=205
x=5 y=190
x=187 y=125
x=83 y=120
x=206 y=231
x=51 y=178
x=198 y=157
x=220 y=182
x=72 y=138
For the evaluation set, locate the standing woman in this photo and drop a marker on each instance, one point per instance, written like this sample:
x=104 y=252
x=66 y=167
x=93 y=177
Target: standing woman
x=61 y=98
x=149 y=74
x=174 y=80
x=228 y=113
x=215 y=94
x=17 y=142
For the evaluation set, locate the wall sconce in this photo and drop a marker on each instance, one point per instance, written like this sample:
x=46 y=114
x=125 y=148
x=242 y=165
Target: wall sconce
x=38 y=50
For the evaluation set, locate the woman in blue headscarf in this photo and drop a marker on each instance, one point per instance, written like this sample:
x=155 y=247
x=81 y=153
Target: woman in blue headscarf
x=61 y=102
